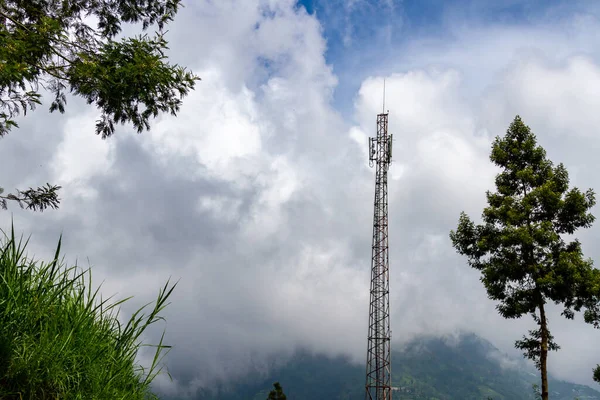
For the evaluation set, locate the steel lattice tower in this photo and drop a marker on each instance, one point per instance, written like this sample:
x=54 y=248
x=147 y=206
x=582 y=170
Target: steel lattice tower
x=378 y=385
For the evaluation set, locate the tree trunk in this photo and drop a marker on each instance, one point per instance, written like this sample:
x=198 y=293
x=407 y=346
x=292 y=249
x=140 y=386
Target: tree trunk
x=544 y=352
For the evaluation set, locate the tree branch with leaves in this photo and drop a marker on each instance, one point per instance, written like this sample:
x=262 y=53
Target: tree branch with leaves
x=48 y=45
x=32 y=199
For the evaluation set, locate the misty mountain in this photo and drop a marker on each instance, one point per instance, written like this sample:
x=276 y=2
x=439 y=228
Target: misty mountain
x=465 y=368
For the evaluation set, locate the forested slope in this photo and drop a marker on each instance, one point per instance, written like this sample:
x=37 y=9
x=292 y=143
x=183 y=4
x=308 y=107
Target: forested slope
x=429 y=368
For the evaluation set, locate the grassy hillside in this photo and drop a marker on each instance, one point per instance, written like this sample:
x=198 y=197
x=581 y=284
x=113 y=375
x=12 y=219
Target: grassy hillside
x=426 y=369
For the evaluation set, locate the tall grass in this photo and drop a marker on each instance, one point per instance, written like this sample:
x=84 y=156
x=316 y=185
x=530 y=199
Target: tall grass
x=61 y=340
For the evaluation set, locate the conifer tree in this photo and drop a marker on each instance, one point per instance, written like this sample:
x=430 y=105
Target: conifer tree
x=277 y=393
x=521 y=250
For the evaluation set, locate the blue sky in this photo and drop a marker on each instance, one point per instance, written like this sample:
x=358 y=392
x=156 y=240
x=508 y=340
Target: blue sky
x=413 y=18
x=367 y=37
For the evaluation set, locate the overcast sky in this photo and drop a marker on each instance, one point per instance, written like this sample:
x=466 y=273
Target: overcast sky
x=259 y=197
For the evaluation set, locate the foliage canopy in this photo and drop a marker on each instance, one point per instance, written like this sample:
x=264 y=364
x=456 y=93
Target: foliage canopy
x=51 y=46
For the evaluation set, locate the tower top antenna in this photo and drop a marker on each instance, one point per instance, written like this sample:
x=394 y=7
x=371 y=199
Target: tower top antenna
x=383 y=108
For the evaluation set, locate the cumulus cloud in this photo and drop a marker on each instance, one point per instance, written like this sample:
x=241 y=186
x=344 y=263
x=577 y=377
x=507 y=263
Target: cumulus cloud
x=258 y=196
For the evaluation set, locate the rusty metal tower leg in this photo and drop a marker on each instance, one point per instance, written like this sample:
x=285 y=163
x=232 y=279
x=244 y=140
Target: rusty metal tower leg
x=378 y=385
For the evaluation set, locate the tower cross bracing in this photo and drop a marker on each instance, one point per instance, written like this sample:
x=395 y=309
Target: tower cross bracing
x=378 y=383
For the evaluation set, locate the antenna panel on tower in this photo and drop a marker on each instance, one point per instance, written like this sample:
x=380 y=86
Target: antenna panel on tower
x=372 y=150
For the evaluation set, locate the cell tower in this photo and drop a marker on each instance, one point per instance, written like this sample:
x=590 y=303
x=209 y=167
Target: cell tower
x=379 y=386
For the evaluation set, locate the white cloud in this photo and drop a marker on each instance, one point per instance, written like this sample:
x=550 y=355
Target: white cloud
x=79 y=156
x=217 y=127
x=560 y=97
x=224 y=208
